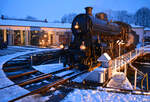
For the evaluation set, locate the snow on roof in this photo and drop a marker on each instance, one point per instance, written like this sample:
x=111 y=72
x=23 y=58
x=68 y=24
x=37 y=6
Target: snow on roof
x=35 y=24
x=104 y=57
x=135 y=26
x=146 y=28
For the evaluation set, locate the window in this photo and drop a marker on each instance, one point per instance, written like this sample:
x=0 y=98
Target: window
x=17 y=37
x=35 y=35
x=1 y=33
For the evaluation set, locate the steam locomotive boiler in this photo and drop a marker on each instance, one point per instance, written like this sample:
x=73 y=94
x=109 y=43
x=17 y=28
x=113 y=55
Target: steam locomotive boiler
x=94 y=35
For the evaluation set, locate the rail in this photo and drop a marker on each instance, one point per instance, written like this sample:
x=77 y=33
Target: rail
x=45 y=88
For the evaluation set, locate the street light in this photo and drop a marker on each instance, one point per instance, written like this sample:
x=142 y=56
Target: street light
x=120 y=42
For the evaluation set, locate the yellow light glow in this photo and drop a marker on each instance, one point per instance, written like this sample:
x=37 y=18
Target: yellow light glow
x=83 y=47
x=40 y=43
x=45 y=36
x=76 y=26
x=61 y=46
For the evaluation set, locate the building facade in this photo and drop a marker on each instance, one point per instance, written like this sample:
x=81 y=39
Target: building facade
x=147 y=34
x=36 y=33
x=144 y=33
x=139 y=31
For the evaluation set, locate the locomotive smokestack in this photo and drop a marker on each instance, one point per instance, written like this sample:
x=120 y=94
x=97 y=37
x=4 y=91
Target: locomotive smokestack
x=89 y=10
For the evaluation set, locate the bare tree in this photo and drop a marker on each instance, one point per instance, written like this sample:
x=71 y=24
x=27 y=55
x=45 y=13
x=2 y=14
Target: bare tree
x=30 y=18
x=56 y=21
x=123 y=16
x=68 y=18
x=142 y=17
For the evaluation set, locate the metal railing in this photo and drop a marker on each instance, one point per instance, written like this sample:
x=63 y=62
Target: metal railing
x=145 y=76
x=122 y=61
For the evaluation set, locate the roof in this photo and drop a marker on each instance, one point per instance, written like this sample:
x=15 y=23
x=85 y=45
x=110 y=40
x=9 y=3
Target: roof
x=33 y=24
x=104 y=57
x=136 y=26
x=147 y=29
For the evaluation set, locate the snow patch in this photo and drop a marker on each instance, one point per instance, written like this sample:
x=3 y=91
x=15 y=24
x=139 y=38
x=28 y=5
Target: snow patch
x=80 y=95
x=81 y=78
x=34 y=98
x=64 y=73
x=52 y=89
x=119 y=80
x=49 y=68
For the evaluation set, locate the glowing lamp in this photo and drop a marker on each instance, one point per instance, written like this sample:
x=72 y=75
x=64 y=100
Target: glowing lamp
x=76 y=26
x=62 y=46
x=40 y=43
x=83 y=47
x=45 y=36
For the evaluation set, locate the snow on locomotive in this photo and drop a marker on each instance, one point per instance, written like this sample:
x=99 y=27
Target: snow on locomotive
x=95 y=35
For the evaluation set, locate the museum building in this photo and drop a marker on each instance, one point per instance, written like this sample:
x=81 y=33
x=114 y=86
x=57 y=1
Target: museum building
x=23 y=32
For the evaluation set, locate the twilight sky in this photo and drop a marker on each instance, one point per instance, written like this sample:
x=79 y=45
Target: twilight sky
x=55 y=9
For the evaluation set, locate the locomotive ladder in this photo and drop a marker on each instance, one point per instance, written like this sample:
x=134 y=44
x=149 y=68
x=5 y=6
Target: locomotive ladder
x=121 y=63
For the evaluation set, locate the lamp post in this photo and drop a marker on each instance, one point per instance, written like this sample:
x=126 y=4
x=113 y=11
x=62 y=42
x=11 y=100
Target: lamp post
x=143 y=45
x=120 y=42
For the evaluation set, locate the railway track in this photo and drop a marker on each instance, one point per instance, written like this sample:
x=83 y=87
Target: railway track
x=20 y=71
x=21 y=65
x=44 y=89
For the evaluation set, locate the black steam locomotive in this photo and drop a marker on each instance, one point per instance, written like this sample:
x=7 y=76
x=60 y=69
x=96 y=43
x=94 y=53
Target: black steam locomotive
x=94 y=35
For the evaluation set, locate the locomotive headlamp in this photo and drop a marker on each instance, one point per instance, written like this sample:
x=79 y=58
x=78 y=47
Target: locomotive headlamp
x=76 y=26
x=62 y=46
x=83 y=47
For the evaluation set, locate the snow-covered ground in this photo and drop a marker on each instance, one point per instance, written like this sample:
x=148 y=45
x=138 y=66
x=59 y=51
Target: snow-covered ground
x=5 y=55
x=49 y=68
x=119 y=80
x=64 y=73
x=33 y=98
x=81 y=95
x=81 y=78
x=77 y=95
